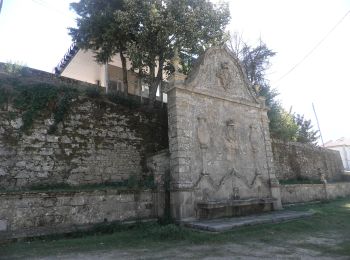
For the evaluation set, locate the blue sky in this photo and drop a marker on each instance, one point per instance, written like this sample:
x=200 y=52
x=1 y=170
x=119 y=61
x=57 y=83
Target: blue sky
x=34 y=32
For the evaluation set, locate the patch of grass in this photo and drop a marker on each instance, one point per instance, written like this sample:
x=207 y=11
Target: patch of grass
x=300 y=181
x=342 y=248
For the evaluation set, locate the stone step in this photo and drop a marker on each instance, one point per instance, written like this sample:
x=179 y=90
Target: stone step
x=225 y=224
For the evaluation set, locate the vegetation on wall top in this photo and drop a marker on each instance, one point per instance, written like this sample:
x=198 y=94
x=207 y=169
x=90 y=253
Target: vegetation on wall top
x=35 y=99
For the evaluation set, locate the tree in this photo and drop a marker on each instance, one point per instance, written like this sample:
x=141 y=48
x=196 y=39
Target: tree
x=305 y=132
x=256 y=61
x=149 y=32
x=104 y=28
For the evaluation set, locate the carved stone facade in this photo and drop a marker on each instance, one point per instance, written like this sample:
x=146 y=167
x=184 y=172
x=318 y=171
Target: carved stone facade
x=219 y=141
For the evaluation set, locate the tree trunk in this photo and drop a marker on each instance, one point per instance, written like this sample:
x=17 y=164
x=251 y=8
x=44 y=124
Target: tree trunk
x=153 y=93
x=125 y=73
x=152 y=87
x=155 y=83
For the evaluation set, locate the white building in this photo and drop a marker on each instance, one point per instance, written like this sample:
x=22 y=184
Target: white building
x=81 y=65
x=343 y=146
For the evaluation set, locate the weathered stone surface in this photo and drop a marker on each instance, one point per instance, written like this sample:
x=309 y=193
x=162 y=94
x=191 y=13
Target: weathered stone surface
x=30 y=211
x=3 y=225
x=219 y=137
x=298 y=193
x=221 y=225
x=159 y=166
x=296 y=160
x=97 y=142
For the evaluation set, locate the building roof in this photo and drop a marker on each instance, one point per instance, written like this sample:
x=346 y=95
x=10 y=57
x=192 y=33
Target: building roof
x=340 y=142
x=72 y=51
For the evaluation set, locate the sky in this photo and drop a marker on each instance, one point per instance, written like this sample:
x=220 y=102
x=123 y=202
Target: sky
x=34 y=33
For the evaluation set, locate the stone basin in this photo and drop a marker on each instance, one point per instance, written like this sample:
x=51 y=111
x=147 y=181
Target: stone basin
x=234 y=207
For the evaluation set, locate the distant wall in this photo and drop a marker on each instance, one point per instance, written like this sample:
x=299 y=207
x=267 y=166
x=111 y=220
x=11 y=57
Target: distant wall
x=97 y=142
x=37 y=213
x=33 y=75
x=344 y=151
x=116 y=80
x=296 y=160
x=298 y=193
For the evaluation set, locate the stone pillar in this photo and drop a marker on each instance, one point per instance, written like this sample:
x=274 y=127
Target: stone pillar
x=104 y=76
x=180 y=138
x=274 y=183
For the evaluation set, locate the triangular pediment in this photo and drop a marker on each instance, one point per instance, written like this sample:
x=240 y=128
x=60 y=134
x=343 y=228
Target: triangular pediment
x=219 y=72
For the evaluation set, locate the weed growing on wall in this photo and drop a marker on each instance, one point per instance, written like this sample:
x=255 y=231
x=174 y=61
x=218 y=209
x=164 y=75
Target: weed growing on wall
x=15 y=68
x=93 y=92
x=35 y=99
x=124 y=101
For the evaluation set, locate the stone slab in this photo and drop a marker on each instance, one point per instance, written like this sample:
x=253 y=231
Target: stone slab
x=226 y=224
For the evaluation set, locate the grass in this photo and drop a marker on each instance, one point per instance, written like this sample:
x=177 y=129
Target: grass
x=330 y=218
x=300 y=181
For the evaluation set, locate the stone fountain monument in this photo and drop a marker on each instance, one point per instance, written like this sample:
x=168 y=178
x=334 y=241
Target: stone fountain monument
x=220 y=150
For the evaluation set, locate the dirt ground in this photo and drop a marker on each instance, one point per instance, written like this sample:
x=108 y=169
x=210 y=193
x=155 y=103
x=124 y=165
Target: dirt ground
x=255 y=250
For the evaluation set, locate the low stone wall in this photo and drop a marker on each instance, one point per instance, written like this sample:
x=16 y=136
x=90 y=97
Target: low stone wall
x=295 y=160
x=299 y=193
x=39 y=213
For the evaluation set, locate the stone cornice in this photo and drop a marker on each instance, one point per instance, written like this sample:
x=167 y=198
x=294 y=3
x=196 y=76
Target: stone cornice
x=181 y=87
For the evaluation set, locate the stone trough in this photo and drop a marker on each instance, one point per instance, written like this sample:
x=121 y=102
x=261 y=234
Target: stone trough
x=237 y=207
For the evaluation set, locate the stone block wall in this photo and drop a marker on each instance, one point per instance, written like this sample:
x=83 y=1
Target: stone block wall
x=31 y=75
x=159 y=166
x=36 y=213
x=295 y=160
x=97 y=142
x=300 y=193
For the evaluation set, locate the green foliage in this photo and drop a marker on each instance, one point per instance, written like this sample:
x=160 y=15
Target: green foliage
x=300 y=181
x=100 y=27
x=149 y=32
x=3 y=97
x=93 y=92
x=125 y=101
x=38 y=98
x=15 y=68
x=306 y=134
x=283 y=125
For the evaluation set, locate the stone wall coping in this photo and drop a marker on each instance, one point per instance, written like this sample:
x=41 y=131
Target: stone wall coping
x=309 y=146
x=212 y=95
x=72 y=193
x=314 y=185
x=302 y=185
